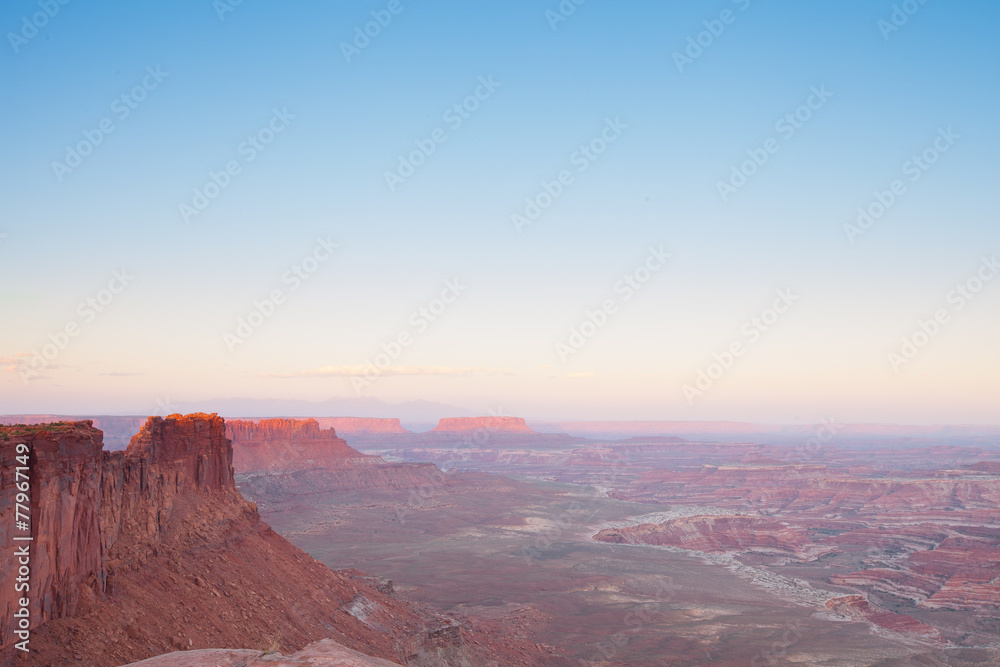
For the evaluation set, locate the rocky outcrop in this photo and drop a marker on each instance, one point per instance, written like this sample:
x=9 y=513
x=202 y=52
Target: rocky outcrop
x=859 y=608
x=959 y=573
x=354 y=428
x=150 y=550
x=95 y=513
x=490 y=424
x=63 y=480
x=282 y=445
x=118 y=430
x=172 y=465
x=716 y=534
x=276 y=457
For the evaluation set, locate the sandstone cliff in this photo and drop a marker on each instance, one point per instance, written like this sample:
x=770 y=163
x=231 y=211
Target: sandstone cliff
x=118 y=430
x=364 y=427
x=479 y=432
x=281 y=445
x=95 y=514
x=153 y=549
x=298 y=457
x=65 y=496
x=491 y=424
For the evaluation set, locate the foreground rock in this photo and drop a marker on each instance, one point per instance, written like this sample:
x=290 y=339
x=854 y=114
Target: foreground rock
x=153 y=549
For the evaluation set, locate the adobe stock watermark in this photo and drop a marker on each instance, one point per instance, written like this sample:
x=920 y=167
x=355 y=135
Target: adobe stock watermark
x=164 y=407
x=121 y=108
x=562 y=13
x=363 y=35
x=254 y=145
x=87 y=310
x=706 y=38
x=30 y=25
x=628 y=286
x=786 y=126
x=900 y=16
x=957 y=299
x=914 y=168
x=582 y=159
x=265 y=308
x=777 y=652
x=455 y=116
x=751 y=330
x=420 y=320
x=825 y=432
x=223 y=7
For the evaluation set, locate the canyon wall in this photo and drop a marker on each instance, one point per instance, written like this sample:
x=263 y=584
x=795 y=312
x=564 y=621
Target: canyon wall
x=153 y=549
x=363 y=427
x=118 y=431
x=94 y=513
x=274 y=458
x=281 y=445
x=64 y=552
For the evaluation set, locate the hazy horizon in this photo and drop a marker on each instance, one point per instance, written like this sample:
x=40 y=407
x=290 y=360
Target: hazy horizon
x=429 y=413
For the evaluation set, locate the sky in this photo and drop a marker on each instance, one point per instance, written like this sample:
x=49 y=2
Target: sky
x=728 y=210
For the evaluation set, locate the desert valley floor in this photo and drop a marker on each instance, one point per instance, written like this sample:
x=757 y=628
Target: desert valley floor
x=485 y=542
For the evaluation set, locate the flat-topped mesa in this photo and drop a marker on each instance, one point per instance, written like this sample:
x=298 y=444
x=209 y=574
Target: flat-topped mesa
x=117 y=430
x=363 y=426
x=282 y=445
x=498 y=425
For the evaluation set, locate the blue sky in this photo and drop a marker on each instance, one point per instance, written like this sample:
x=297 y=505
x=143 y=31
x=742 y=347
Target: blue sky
x=345 y=124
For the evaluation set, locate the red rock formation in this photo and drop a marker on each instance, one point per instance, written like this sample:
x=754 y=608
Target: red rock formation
x=858 y=607
x=959 y=573
x=95 y=513
x=487 y=424
x=65 y=499
x=281 y=445
x=932 y=538
x=353 y=427
x=713 y=534
x=144 y=551
x=117 y=430
x=170 y=466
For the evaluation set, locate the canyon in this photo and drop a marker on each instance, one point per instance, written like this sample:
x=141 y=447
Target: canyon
x=895 y=527
x=484 y=541
x=153 y=549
